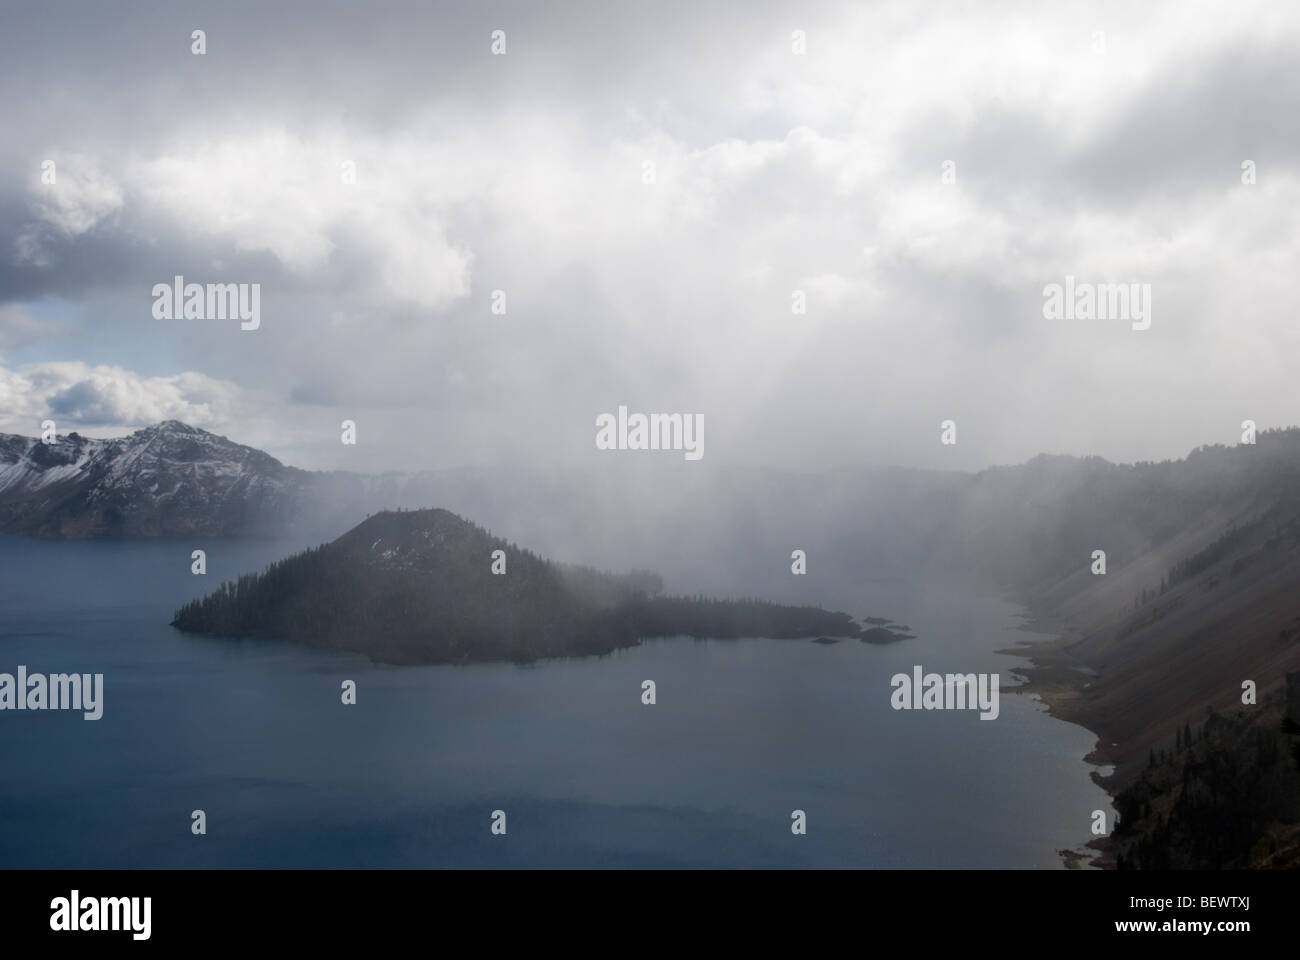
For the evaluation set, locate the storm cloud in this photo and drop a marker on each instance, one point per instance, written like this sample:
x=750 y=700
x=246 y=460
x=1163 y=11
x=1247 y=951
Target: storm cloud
x=648 y=190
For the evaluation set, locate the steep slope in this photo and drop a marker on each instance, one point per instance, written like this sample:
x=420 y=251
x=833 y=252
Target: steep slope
x=1202 y=594
x=1225 y=796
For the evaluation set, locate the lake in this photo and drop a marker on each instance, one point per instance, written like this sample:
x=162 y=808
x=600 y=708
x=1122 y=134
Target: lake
x=743 y=733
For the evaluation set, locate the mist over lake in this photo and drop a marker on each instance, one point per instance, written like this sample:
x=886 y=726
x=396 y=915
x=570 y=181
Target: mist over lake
x=743 y=732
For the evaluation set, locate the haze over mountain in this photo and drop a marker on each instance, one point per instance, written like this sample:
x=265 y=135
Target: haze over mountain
x=427 y=586
x=1218 y=528
x=1025 y=527
x=1199 y=594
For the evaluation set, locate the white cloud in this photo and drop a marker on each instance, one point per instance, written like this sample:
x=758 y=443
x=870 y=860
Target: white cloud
x=285 y=194
x=773 y=173
x=79 y=198
x=81 y=195
x=109 y=400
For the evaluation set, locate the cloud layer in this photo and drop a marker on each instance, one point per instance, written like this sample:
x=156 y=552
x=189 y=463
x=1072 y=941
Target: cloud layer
x=652 y=192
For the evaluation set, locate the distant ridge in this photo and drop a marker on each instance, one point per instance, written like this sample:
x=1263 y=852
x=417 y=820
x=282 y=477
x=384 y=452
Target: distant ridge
x=169 y=479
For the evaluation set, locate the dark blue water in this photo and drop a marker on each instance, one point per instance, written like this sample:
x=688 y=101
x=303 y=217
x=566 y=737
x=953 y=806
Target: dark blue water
x=743 y=732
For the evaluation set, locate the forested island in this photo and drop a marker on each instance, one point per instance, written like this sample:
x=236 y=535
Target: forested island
x=426 y=586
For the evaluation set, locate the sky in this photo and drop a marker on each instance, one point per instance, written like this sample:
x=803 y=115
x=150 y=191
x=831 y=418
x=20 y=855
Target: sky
x=654 y=188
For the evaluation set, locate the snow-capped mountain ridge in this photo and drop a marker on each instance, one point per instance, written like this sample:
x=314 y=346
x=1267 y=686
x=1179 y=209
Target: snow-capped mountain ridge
x=166 y=479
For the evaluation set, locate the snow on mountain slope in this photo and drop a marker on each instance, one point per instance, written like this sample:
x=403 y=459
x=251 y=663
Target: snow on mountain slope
x=27 y=464
x=167 y=479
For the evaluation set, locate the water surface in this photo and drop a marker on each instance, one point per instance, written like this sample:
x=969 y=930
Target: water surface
x=743 y=733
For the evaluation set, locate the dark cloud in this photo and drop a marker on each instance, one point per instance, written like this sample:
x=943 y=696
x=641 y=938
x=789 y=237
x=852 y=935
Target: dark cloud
x=772 y=173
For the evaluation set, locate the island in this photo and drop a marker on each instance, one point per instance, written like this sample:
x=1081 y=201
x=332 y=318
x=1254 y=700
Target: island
x=427 y=587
